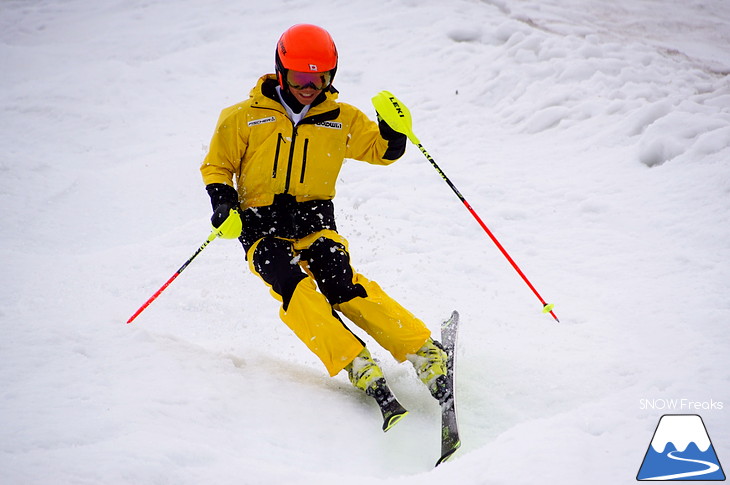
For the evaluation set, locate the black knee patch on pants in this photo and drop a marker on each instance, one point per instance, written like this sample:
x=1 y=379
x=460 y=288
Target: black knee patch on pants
x=329 y=263
x=276 y=263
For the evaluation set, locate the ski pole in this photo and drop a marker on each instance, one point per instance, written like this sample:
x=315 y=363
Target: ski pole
x=397 y=115
x=214 y=234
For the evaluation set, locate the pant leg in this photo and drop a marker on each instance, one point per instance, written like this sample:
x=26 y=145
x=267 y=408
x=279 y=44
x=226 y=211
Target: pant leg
x=274 y=261
x=362 y=301
x=328 y=261
x=394 y=327
x=312 y=319
x=304 y=310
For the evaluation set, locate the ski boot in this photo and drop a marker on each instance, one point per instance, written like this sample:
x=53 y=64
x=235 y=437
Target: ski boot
x=430 y=364
x=365 y=375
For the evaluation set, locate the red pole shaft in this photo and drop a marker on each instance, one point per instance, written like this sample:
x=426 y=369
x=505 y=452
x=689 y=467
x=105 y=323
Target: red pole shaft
x=212 y=236
x=506 y=255
x=153 y=297
x=486 y=229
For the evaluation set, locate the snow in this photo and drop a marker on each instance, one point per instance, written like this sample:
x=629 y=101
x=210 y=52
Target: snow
x=592 y=138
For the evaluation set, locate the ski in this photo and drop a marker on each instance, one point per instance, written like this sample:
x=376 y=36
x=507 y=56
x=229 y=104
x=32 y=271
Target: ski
x=450 y=441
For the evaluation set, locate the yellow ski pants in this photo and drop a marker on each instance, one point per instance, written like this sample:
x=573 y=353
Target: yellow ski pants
x=291 y=269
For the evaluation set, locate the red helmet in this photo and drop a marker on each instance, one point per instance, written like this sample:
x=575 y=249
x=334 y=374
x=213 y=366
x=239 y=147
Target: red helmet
x=306 y=48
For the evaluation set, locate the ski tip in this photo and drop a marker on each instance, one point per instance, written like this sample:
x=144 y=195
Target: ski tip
x=454 y=317
x=448 y=454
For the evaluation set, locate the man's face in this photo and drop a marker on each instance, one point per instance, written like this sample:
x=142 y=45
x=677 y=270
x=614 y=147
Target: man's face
x=305 y=96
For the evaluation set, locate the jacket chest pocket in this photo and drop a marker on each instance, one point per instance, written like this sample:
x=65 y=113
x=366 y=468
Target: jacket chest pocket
x=305 y=151
x=290 y=159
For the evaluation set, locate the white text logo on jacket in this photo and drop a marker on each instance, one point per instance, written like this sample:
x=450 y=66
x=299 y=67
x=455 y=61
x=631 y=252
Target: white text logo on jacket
x=270 y=119
x=336 y=125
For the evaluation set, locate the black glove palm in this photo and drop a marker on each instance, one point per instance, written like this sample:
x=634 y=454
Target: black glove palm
x=396 y=141
x=220 y=214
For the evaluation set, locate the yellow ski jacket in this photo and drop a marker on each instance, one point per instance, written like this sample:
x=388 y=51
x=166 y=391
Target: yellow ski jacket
x=257 y=149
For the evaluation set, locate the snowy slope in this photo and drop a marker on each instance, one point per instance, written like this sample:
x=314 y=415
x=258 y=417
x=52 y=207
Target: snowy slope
x=592 y=138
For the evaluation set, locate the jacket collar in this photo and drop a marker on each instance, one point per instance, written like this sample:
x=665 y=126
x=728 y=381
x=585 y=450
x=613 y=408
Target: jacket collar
x=264 y=95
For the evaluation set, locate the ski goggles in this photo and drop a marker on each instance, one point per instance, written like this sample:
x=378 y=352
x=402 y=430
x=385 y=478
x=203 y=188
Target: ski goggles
x=302 y=80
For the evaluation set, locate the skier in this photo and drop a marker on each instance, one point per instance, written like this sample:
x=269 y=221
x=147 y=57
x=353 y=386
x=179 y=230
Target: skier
x=282 y=150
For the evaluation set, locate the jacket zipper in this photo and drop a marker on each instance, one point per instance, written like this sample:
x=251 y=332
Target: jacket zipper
x=287 y=183
x=304 y=160
x=276 y=155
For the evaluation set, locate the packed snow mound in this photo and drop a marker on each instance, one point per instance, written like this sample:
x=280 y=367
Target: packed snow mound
x=535 y=73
